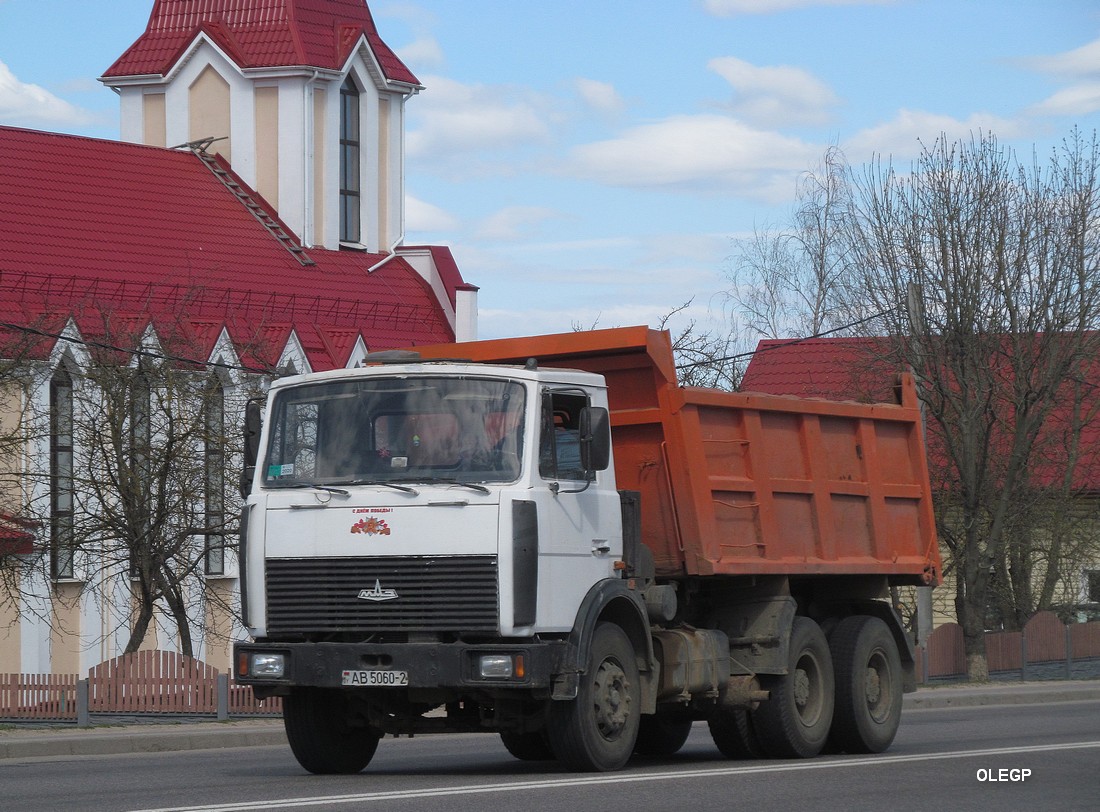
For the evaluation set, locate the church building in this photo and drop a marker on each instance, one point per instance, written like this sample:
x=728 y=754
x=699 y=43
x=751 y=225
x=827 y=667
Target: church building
x=249 y=223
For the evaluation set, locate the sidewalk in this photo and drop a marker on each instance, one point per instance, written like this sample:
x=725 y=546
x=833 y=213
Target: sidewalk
x=26 y=741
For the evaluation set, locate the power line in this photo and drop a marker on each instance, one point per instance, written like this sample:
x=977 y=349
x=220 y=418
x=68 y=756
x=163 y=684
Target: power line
x=789 y=343
x=130 y=351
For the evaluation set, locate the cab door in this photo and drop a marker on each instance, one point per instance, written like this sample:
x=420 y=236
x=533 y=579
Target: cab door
x=579 y=515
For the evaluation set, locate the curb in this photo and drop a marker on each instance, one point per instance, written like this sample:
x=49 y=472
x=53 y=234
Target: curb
x=27 y=743
x=1024 y=693
x=138 y=739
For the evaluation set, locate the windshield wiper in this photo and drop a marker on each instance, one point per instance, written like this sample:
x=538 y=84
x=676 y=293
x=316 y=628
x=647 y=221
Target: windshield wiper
x=452 y=481
x=387 y=484
x=313 y=485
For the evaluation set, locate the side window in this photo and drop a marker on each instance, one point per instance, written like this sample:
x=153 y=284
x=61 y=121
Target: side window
x=294 y=447
x=559 y=442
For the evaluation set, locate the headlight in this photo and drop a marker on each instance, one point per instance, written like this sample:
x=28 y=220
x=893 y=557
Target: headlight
x=270 y=666
x=496 y=666
x=502 y=666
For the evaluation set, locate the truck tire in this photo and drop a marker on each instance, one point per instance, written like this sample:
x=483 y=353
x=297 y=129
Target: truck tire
x=868 y=685
x=662 y=733
x=734 y=735
x=795 y=721
x=527 y=746
x=316 y=723
x=596 y=731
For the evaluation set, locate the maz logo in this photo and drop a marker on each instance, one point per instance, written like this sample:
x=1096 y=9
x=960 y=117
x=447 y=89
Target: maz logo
x=377 y=594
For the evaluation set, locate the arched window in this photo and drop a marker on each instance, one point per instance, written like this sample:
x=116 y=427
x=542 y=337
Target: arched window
x=349 y=162
x=61 y=474
x=213 y=410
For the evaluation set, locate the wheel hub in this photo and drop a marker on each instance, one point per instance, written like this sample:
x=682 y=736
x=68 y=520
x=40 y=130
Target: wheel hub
x=872 y=687
x=612 y=700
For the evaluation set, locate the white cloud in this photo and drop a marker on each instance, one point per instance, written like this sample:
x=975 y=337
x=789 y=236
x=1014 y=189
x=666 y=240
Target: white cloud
x=902 y=136
x=1082 y=67
x=452 y=119
x=600 y=96
x=514 y=222
x=1077 y=100
x=696 y=153
x=23 y=104
x=730 y=8
x=422 y=216
x=775 y=95
x=424 y=52
x=1083 y=62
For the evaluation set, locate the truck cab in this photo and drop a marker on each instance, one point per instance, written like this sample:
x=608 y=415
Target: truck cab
x=432 y=527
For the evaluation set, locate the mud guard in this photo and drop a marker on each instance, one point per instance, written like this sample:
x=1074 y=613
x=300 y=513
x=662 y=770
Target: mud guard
x=616 y=602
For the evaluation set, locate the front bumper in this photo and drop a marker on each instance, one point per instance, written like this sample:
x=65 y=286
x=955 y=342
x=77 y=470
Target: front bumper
x=429 y=666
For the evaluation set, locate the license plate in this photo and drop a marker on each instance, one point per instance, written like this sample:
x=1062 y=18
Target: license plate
x=376 y=678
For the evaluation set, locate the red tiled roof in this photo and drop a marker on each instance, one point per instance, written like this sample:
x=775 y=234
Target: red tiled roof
x=861 y=369
x=831 y=368
x=149 y=235
x=259 y=34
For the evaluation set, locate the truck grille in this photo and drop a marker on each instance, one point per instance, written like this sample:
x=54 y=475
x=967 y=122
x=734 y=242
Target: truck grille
x=432 y=594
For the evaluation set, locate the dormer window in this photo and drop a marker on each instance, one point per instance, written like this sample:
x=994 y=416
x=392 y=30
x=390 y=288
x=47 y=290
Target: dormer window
x=349 y=163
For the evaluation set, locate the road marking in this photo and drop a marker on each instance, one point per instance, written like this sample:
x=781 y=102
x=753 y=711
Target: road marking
x=619 y=778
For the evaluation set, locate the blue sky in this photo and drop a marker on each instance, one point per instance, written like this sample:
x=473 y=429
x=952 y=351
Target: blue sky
x=591 y=162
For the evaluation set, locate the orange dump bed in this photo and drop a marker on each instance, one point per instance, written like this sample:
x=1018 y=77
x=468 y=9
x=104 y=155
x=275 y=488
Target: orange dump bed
x=743 y=483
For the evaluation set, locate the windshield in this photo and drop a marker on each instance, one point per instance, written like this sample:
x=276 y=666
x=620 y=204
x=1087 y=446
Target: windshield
x=408 y=429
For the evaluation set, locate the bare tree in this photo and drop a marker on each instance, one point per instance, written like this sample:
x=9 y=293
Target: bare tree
x=704 y=357
x=783 y=282
x=1007 y=259
x=140 y=508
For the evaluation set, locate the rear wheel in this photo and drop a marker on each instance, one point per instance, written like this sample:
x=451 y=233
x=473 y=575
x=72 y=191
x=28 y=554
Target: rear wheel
x=868 y=685
x=597 y=730
x=317 y=722
x=734 y=735
x=663 y=733
x=527 y=746
x=795 y=721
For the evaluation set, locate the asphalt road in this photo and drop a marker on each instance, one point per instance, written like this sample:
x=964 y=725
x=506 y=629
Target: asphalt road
x=1000 y=758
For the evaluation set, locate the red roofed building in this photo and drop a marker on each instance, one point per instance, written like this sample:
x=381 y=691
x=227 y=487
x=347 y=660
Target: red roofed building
x=252 y=215
x=861 y=369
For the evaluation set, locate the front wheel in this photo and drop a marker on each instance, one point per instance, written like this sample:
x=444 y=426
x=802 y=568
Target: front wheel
x=322 y=738
x=597 y=730
x=868 y=685
x=795 y=721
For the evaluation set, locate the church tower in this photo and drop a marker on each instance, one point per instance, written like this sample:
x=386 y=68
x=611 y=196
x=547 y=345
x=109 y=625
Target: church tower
x=301 y=97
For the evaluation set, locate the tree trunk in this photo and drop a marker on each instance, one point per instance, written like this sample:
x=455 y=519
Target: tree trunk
x=141 y=628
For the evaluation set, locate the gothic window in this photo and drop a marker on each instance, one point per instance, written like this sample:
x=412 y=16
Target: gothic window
x=61 y=475
x=214 y=465
x=349 y=162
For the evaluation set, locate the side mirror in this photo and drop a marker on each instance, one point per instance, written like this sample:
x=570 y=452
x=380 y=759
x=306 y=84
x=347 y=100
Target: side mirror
x=253 y=423
x=595 y=439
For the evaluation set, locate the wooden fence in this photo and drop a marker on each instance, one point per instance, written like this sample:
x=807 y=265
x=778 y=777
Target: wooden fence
x=146 y=682
x=162 y=682
x=1046 y=648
